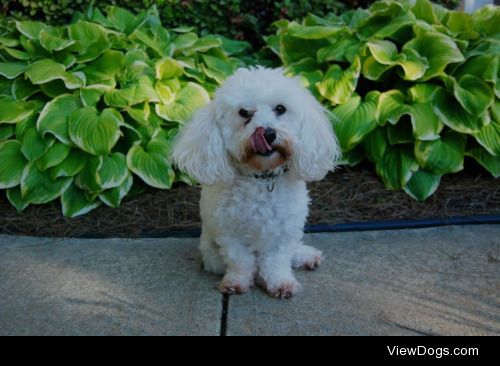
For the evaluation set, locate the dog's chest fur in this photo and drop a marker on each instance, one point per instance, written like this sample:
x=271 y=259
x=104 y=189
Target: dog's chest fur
x=247 y=211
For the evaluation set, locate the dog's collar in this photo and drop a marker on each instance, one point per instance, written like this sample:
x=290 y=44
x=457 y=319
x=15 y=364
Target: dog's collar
x=271 y=175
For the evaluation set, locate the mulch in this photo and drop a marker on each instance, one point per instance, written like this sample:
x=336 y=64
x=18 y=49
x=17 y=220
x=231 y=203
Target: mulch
x=346 y=196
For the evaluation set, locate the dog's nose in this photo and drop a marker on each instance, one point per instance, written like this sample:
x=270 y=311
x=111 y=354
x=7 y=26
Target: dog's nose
x=270 y=135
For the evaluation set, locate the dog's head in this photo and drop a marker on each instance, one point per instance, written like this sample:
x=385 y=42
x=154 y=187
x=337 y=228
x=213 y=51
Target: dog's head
x=258 y=121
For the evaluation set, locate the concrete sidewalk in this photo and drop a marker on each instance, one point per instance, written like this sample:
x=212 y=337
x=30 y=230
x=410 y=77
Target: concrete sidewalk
x=440 y=281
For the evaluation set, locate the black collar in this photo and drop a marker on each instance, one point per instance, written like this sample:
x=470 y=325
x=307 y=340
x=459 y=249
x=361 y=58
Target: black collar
x=270 y=175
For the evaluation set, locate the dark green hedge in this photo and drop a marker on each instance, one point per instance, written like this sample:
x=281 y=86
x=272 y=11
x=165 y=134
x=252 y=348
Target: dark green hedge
x=238 y=19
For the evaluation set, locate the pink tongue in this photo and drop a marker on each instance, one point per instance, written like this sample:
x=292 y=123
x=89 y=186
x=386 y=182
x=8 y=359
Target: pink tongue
x=258 y=141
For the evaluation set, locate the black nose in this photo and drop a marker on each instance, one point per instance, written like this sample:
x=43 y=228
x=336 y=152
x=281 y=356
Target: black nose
x=270 y=135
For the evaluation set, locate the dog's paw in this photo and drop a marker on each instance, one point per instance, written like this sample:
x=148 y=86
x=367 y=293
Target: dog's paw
x=234 y=287
x=214 y=266
x=285 y=290
x=307 y=258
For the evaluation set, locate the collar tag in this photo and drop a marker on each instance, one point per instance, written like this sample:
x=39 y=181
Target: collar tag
x=270 y=183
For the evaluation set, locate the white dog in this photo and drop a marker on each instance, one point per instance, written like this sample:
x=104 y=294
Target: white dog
x=253 y=148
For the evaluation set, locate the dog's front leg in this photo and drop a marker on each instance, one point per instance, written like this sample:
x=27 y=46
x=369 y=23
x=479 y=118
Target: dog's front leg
x=240 y=264
x=275 y=269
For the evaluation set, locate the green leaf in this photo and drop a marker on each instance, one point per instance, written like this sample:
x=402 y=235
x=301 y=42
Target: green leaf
x=54 y=117
x=383 y=51
x=167 y=68
x=423 y=10
x=375 y=144
x=90 y=96
x=75 y=203
x=14 y=112
x=218 y=68
x=105 y=67
x=54 y=43
x=204 y=44
x=342 y=51
x=489 y=162
x=37 y=187
x=422 y=185
x=390 y=107
x=88 y=179
x=164 y=91
x=189 y=99
x=461 y=25
x=31 y=29
x=313 y=32
x=139 y=91
x=141 y=114
x=442 y=156
x=9 y=42
x=355 y=119
x=90 y=40
x=123 y=20
x=34 y=146
x=22 y=89
x=352 y=157
x=152 y=165
x=338 y=90
x=12 y=70
x=6 y=132
x=386 y=53
x=15 y=199
x=489 y=138
x=423 y=92
x=233 y=47
x=94 y=133
x=185 y=40
x=55 y=155
x=454 y=115
x=19 y=55
x=485 y=67
x=46 y=70
x=5 y=88
x=395 y=27
x=294 y=49
x=486 y=19
x=113 y=171
x=372 y=70
x=439 y=50
x=426 y=124
x=71 y=166
x=12 y=164
x=397 y=166
x=113 y=197
x=473 y=94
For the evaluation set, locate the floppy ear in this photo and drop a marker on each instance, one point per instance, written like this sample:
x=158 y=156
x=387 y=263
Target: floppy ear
x=317 y=149
x=199 y=149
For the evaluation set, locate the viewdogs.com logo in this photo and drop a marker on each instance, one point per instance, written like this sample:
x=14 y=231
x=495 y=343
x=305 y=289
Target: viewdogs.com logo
x=437 y=352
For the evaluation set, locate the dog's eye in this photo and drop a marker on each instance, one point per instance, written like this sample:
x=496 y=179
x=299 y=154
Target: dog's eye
x=280 y=109
x=244 y=113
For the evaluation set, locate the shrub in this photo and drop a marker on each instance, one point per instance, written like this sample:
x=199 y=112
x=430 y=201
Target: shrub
x=411 y=86
x=89 y=108
x=236 y=19
x=57 y=12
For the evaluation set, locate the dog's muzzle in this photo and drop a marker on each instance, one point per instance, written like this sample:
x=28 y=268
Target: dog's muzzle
x=261 y=140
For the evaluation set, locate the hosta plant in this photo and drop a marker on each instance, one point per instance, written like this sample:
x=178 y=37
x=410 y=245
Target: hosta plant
x=89 y=109
x=411 y=86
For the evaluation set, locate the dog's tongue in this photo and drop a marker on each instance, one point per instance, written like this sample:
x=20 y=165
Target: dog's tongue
x=259 y=143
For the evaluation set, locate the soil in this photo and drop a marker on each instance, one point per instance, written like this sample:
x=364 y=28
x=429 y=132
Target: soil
x=346 y=196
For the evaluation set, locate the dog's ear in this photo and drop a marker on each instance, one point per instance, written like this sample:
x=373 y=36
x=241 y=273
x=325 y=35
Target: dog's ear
x=317 y=149
x=199 y=149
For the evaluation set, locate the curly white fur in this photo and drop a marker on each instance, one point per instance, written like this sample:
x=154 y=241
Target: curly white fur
x=249 y=232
